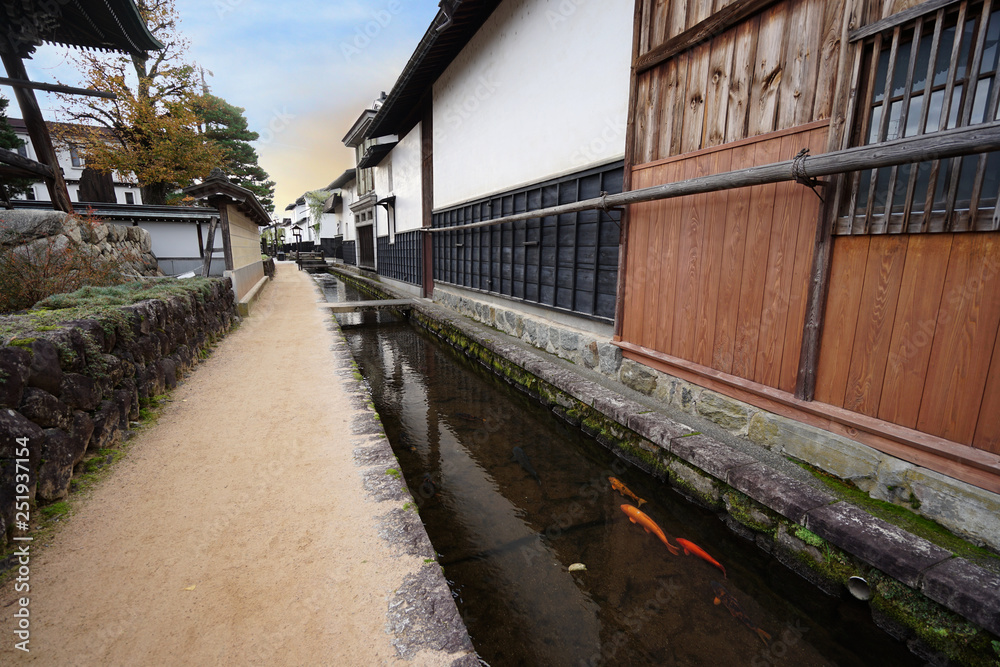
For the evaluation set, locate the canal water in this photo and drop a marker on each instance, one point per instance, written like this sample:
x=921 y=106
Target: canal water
x=517 y=503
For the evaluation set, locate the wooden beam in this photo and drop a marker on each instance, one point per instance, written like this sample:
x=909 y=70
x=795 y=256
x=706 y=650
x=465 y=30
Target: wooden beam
x=210 y=247
x=716 y=24
x=24 y=164
x=900 y=18
x=55 y=88
x=39 y=133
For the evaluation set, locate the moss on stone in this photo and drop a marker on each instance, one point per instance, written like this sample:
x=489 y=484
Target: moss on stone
x=809 y=537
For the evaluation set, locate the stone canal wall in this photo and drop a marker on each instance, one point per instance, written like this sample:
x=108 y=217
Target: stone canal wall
x=940 y=600
x=72 y=389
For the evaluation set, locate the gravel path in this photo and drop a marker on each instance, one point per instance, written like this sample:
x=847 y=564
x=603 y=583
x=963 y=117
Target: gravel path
x=237 y=530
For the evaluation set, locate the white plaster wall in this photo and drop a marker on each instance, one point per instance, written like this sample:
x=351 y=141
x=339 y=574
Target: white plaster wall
x=540 y=91
x=406 y=181
x=346 y=217
x=329 y=226
x=178 y=239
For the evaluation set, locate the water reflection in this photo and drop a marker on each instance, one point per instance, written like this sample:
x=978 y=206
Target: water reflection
x=506 y=540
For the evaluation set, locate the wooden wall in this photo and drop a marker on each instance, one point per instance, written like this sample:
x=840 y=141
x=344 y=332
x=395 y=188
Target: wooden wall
x=720 y=279
x=911 y=333
x=773 y=71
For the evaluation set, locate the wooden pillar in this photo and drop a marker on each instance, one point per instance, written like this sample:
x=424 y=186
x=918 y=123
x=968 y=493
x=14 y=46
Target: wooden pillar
x=222 y=204
x=627 y=176
x=38 y=132
x=427 y=190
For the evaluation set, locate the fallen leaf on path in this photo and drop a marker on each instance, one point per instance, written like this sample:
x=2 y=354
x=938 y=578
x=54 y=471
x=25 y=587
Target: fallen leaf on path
x=191 y=587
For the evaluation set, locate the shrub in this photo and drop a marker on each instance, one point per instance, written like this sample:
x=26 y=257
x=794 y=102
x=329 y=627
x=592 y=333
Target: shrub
x=32 y=272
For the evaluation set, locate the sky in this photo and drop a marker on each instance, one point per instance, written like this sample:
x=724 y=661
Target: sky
x=303 y=69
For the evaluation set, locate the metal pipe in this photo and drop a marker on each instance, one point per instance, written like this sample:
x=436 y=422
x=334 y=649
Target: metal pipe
x=969 y=140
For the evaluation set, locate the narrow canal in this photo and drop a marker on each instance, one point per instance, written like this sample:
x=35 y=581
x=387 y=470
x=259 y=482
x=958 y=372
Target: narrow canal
x=514 y=501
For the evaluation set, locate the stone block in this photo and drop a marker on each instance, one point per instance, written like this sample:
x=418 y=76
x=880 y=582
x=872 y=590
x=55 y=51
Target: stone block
x=963 y=508
x=45 y=371
x=966 y=589
x=637 y=376
x=15 y=367
x=107 y=427
x=615 y=406
x=694 y=485
x=12 y=427
x=730 y=414
x=686 y=397
x=79 y=392
x=785 y=495
x=60 y=452
x=46 y=410
x=896 y=552
x=610 y=359
x=589 y=355
x=657 y=428
x=169 y=371
x=710 y=455
x=18 y=226
x=836 y=455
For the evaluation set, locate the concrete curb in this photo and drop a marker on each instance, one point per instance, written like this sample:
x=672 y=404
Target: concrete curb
x=421 y=614
x=962 y=587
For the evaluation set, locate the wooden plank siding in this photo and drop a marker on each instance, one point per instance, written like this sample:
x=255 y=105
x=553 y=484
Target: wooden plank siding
x=760 y=76
x=718 y=288
x=719 y=278
x=911 y=333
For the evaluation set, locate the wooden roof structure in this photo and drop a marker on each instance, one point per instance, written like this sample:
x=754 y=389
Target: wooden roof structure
x=105 y=25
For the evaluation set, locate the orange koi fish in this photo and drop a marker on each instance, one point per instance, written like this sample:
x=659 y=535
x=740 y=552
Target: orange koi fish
x=691 y=548
x=617 y=485
x=637 y=517
x=723 y=597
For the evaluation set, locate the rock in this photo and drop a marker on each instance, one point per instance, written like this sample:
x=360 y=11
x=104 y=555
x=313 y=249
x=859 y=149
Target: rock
x=45 y=409
x=966 y=589
x=12 y=427
x=145 y=240
x=15 y=366
x=107 y=427
x=19 y=226
x=728 y=413
x=94 y=233
x=638 y=377
x=60 y=452
x=610 y=358
x=710 y=455
x=896 y=552
x=45 y=371
x=80 y=392
x=71 y=230
x=785 y=495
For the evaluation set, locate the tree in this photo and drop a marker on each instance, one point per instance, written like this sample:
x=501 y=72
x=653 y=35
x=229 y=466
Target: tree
x=10 y=187
x=151 y=129
x=226 y=125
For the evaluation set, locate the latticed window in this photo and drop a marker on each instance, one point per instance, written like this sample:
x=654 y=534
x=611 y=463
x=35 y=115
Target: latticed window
x=924 y=70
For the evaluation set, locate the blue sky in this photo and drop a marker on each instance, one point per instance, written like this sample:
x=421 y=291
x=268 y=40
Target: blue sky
x=302 y=69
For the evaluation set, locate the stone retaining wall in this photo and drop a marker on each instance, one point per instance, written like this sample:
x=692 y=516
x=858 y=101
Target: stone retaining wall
x=72 y=390
x=37 y=233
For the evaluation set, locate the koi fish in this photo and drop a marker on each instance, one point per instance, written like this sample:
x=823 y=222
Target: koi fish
x=525 y=463
x=691 y=548
x=723 y=597
x=637 y=517
x=625 y=491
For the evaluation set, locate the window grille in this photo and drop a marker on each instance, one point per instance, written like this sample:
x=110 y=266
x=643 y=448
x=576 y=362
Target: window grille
x=934 y=72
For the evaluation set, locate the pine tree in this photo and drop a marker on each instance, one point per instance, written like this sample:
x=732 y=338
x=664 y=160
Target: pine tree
x=226 y=126
x=10 y=187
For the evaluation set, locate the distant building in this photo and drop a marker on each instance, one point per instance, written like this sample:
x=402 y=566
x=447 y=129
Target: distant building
x=111 y=189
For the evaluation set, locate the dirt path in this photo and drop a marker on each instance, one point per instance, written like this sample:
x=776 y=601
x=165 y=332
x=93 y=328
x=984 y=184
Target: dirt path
x=236 y=531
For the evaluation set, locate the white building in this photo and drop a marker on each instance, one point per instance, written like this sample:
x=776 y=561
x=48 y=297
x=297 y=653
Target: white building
x=73 y=166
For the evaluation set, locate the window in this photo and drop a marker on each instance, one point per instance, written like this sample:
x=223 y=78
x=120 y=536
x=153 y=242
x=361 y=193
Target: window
x=30 y=194
x=74 y=156
x=129 y=198
x=22 y=150
x=935 y=72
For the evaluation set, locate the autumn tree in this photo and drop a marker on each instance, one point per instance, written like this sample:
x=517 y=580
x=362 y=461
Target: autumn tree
x=151 y=129
x=226 y=125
